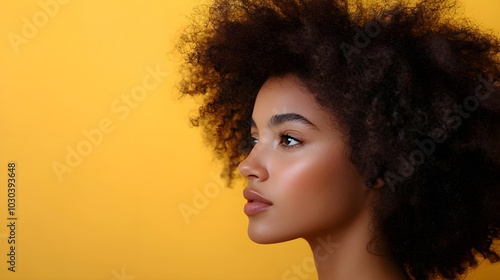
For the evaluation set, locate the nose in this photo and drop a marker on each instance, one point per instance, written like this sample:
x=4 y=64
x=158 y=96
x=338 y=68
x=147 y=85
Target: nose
x=253 y=167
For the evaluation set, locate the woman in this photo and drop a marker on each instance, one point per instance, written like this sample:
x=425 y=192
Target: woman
x=373 y=132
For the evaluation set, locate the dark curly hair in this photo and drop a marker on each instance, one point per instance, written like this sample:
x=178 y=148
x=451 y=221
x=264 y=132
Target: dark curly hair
x=415 y=87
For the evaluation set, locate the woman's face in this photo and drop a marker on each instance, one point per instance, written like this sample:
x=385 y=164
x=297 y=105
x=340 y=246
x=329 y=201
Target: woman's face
x=300 y=165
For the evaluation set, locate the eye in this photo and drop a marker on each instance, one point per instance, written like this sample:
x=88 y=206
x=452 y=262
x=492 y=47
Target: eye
x=289 y=142
x=254 y=140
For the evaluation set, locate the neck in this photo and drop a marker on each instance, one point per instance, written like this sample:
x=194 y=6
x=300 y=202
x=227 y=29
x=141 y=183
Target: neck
x=343 y=254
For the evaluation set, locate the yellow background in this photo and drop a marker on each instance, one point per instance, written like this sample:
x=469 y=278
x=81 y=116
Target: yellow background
x=115 y=214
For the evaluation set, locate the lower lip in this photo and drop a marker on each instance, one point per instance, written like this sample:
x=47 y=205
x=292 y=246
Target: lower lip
x=252 y=208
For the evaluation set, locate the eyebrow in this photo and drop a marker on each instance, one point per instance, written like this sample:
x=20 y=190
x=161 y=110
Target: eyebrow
x=283 y=118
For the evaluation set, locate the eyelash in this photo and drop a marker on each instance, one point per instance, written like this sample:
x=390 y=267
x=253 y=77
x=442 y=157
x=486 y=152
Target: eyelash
x=282 y=136
x=285 y=136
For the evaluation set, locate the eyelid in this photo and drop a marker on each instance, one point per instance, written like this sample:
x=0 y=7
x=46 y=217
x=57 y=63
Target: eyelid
x=285 y=135
x=281 y=135
x=253 y=139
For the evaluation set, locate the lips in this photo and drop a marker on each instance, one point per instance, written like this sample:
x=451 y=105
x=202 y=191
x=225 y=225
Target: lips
x=256 y=203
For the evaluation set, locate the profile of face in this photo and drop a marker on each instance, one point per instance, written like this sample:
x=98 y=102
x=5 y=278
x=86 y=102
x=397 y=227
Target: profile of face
x=301 y=183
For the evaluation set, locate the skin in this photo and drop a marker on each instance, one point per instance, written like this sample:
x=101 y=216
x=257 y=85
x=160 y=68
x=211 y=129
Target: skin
x=316 y=192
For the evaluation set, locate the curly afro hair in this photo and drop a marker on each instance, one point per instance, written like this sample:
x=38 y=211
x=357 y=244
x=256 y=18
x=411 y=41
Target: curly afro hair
x=415 y=87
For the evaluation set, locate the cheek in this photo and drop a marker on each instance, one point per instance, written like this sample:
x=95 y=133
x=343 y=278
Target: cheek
x=307 y=178
x=313 y=169
x=317 y=190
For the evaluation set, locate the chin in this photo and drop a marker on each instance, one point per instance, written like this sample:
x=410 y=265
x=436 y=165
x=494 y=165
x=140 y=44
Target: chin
x=268 y=235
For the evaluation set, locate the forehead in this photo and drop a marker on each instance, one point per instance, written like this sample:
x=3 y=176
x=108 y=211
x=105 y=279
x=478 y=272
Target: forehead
x=285 y=95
